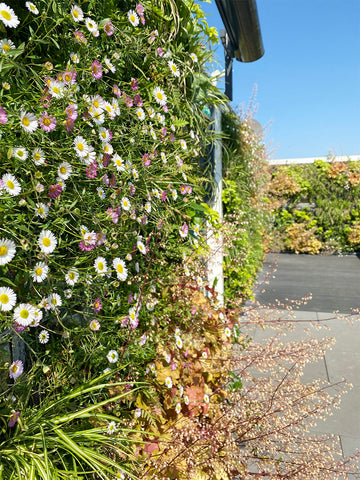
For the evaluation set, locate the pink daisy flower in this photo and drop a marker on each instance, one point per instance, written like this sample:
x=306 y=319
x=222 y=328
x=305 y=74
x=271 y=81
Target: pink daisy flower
x=134 y=83
x=96 y=70
x=97 y=305
x=55 y=190
x=116 y=90
x=47 y=122
x=109 y=29
x=3 y=116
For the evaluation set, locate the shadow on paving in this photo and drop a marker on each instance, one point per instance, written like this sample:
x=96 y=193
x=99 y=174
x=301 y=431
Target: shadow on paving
x=334 y=282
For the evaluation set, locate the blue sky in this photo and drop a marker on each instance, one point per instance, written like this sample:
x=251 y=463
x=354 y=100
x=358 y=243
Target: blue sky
x=308 y=81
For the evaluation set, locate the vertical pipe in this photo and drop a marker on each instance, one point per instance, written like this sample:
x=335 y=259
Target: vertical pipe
x=215 y=242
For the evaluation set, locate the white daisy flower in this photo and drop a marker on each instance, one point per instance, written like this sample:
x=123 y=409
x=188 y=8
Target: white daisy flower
x=111 y=428
x=109 y=109
x=21 y=153
x=72 y=276
x=151 y=112
x=38 y=315
x=206 y=398
x=68 y=293
x=16 y=369
x=199 y=281
x=147 y=207
x=109 y=65
x=74 y=57
x=140 y=113
x=54 y=300
x=125 y=204
x=204 y=355
x=104 y=134
x=177 y=332
x=178 y=342
x=163 y=157
x=32 y=8
x=168 y=382
x=174 y=194
x=11 y=185
x=181 y=390
x=115 y=106
x=7 y=251
x=156 y=193
x=64 y=170
x=194 y=57
x=107 y=148
x=38 y=156
x=41 y=210
x=24 y=314
x=80 y=146
x=8 y=17
x=160 y=118
x=120 y=475
x=7 y=299
x=135 y=174
x=160 y=96
x=178 y=408
x=100 y=266
x=118 y=162
x=174 y=69
x=186 y=270
x=141 y=247
x=153 y=134
x=133 y=18
x=101 y=193
x=77 y=14
x=90 y=156
x=6 y=45
x=44 y=336
x=56 y=89
x=228 y=332
x=91 y=25
x=186 y=400
x=120 y=268
x=196 y=229
x=47 y=241
x=112 y=356
x=183 y=144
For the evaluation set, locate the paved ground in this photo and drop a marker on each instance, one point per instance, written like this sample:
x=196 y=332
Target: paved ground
x=335 y=284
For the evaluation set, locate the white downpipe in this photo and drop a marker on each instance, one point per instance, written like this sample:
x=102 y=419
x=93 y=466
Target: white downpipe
x=215 y=242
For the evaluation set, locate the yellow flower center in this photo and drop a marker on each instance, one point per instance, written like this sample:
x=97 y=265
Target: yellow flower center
x=125 y=204
x=26 y=121
x=106 y=148
x=10 y=185
x=96 y=104
x=62 y=170
x=76 y=14
x=32 y=7
x=46 y=242
x=6 y=47
x=120 y=268
x=159 y=96
x=46 y=121
x=14 y=369
x=3 y=250
x=41 y=210
x=54 y=301
x=39 y=271
x=100 y=193
x=4 y=298
x=5 y=14
x=68 y=77
x=100 y=266
x=80 y=146
x=71 y=275
x=37 y=156
x=24 y=313
x=56 y=90
x=132 y=18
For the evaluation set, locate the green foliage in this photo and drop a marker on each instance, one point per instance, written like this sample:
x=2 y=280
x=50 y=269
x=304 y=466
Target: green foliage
x=243 y=171
x=327 y=204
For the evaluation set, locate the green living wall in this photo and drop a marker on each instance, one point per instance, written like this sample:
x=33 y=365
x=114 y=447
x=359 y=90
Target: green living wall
x=315 y=208
x=129 y=369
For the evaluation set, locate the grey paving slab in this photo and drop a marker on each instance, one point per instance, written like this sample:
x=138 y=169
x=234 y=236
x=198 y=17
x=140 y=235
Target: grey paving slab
x=344 y=365
x=345 y=420
x=332 y=280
